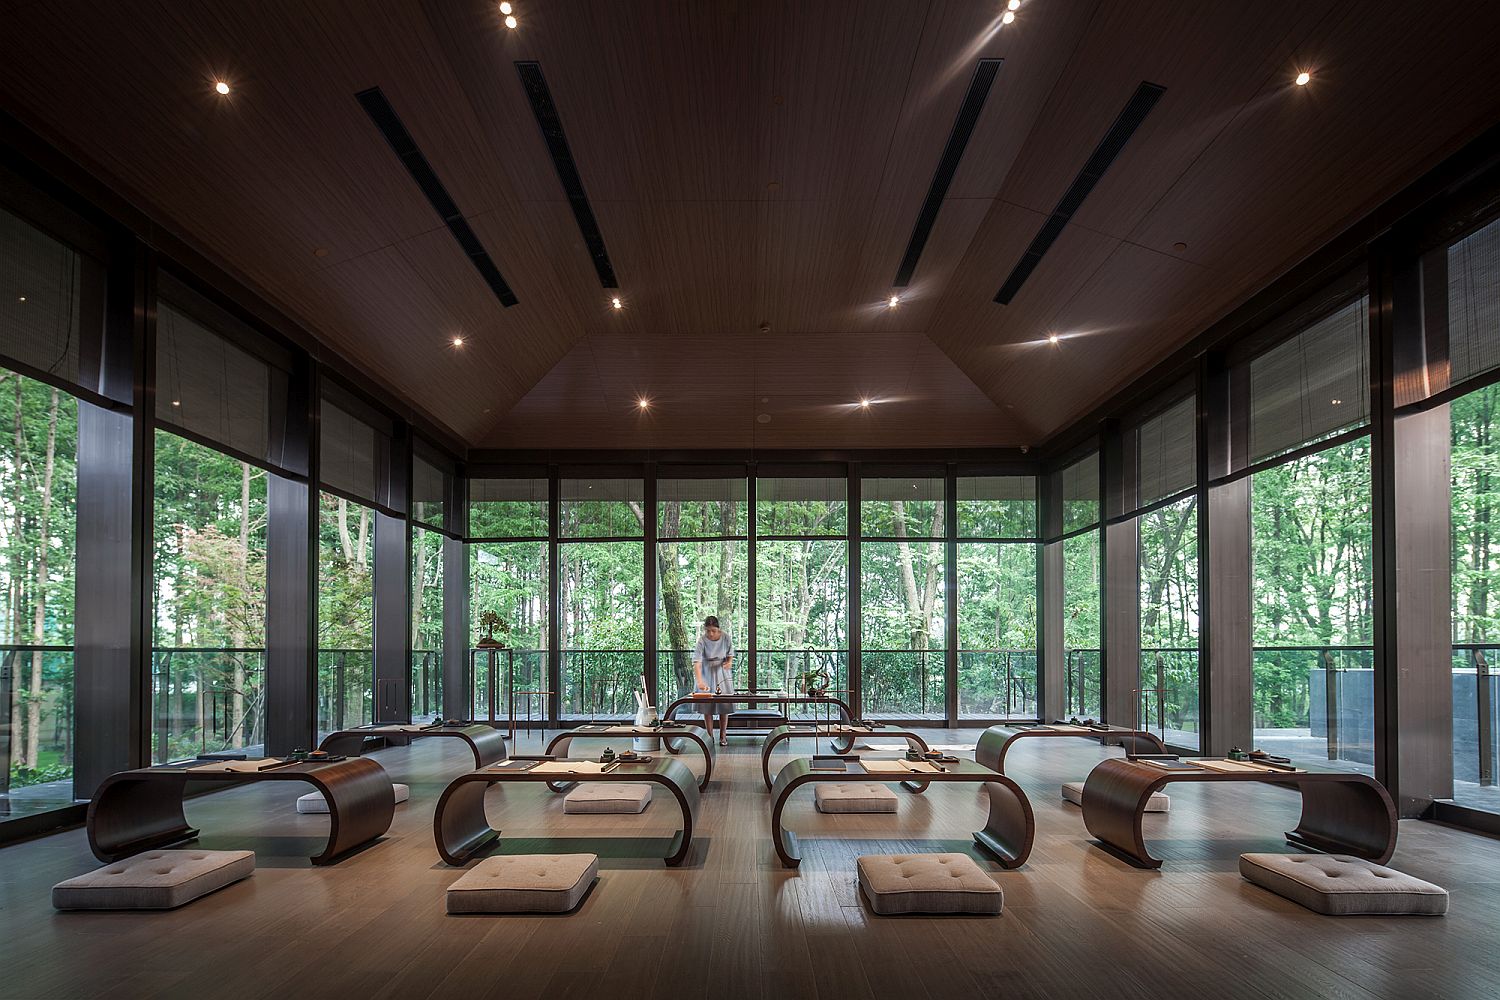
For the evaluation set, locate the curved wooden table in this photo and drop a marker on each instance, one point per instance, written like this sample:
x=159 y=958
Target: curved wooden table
x=790 y=732
x=742 y=698
x=460 y=828
x=1008 y=832
x=669 y=735
x=1342 y=812
x=141 y=810
x=485 y=742
x=995 y=742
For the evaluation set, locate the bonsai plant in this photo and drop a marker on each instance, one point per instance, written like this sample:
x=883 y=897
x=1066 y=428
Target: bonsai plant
x=490 y=621
x=812 y=682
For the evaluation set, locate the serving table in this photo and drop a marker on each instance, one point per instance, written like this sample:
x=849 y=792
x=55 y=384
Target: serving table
x=792 y=731
x=1343 y=812
x=846 y=714
x=671 y=738
x=995 y=742
x=141 y=810
x=1007 y=834
x=461 y=829
x=485 y=742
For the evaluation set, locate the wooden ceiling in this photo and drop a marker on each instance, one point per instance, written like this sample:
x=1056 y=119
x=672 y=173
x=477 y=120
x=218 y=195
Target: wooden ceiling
x=755 y=168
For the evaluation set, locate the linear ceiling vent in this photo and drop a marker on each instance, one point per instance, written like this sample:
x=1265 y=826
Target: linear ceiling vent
x=958 y=141
x=547 y=118
x=385 y=118
x=1140 y=105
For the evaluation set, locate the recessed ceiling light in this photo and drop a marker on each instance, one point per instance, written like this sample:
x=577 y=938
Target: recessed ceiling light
x=505 y=8
x=1007 y=17
x=510 y=21
x=222 y=88
x=864 y=404
x=1013 y=5
x=1052 y=339
x=1303 y=77
x=643 y=403
x=1179 y=247
x=895 y=301
x=320 y=252
x=616 y=303
x=458 y=341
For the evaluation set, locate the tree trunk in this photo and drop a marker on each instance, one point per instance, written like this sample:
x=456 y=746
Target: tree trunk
x=346 y=544
x=39 y=620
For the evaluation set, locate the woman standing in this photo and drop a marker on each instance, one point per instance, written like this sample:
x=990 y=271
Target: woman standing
x=713 y=665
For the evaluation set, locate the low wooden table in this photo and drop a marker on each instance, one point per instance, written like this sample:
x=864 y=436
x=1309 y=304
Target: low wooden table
x=790 y=732
x=846 y=714
x=1342 y=812
x=671 y=738
x=995 y=742
x=461 y=830
x=485 y=742
x=1007 y=834
x=141 y=810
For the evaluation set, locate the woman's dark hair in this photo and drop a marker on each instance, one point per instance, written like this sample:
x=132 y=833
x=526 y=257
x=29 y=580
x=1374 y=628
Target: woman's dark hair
x=712 y=621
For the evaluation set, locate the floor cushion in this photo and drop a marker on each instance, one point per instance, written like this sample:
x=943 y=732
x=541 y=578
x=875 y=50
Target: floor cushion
x=604 y=797
x=927 y=883
x=853 y=797
x=1159 y=802
x=1341 y=885
x=154 y=880
x=524 y=883
x=313 y=802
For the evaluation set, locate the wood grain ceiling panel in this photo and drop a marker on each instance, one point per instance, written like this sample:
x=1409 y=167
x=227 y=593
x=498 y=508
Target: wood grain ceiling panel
x=754 y=163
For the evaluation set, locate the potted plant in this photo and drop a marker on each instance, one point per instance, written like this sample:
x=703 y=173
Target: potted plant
x=490 y=621
x=812 y=682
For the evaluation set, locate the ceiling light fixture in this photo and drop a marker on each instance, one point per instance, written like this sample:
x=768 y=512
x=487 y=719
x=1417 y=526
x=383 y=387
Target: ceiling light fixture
x=895 y=301
x=864 y=404
x=616 y=303
x=1013 y=5
x=458 y=341
x=643 y=403
x=1303 y=77
x=510 y=21
x=1007 y=17
x=505 y=8
x=1052 y=339
x=222 y=88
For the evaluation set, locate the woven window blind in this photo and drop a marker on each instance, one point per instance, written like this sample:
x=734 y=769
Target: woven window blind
x=1167 y=453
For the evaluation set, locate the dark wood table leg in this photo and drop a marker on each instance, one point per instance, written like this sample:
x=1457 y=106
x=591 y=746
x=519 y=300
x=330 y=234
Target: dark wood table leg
x=1114 y=800
x=1011 y=827
x=344 y=744
x=129 y=815
x=687 y=801
x=459 y=825
x=787 y=848
x=361 y=804
x=488 y=744
x=1347 y=817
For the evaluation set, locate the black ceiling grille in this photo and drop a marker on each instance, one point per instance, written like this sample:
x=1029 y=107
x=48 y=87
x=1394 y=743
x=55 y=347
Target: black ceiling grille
x=1136 y=109
x=385 y=118
x=550 y=123
x=953 y=152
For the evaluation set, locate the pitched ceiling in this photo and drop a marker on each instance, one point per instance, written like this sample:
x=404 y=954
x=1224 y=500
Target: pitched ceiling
x=755 y=169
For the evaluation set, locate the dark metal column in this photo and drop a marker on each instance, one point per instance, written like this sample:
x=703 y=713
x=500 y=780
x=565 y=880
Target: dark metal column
x=456 y=630
x=392 y=618
x=554 y=593
x=650 y=582
x=856 y=592
x=291 y=580
x=751 y=558
x=950 y=592
x=1052 y=700
x=1119 y=583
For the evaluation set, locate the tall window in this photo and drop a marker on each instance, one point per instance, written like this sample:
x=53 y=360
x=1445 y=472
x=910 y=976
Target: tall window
x=426 y=623
x=997 y=597
x=346 y=613
x=1082 y=611
x=1313 y=687
x=208 y=651
x=801 y=582
x=38 y=505
x=601 y=595
x=702 y=565
x=902 y=657
x=1165 y=449
x=508 y=575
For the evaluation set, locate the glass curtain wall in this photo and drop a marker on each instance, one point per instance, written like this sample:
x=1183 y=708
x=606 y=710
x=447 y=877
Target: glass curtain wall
x=997 y=597
x=209 y=624
x=601 y=595
x=902 y=598
x=1082 y=609
x=802 y=583
x=426 y=623
x=702 y=569
x=346 y=613
x=508 y=577
x=1311 y=543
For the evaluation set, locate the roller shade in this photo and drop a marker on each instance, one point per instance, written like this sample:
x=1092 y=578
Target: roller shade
x=429 y=491
x=601 y=508
x=352 y=453
x=41 y=300
x=208 y=386
x=508 y=508
x=1473 y=297
x=1166 y=448
x=688 y=508
x=997 y=506
x=1312 y=386
x=791 y=505
x=1080 y=494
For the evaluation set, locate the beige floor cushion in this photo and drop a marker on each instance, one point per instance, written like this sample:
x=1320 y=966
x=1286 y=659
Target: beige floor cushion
x=313 y=802
x=155 y=880
x=927 y=883
x=853 y=797
x=604 y=797
x=1341 y=885
x=524 y=883
x=1159 y=802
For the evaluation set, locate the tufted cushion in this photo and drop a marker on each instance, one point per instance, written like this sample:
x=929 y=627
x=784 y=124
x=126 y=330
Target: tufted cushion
x=1340 y=885
x=313 y=802
x=853 y=797
x=927 y=883
x=1159 y=802
x=155 y=880
x=524 y=883
x=602 y=797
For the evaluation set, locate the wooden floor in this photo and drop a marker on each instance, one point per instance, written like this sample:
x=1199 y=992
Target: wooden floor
x=732 y=923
